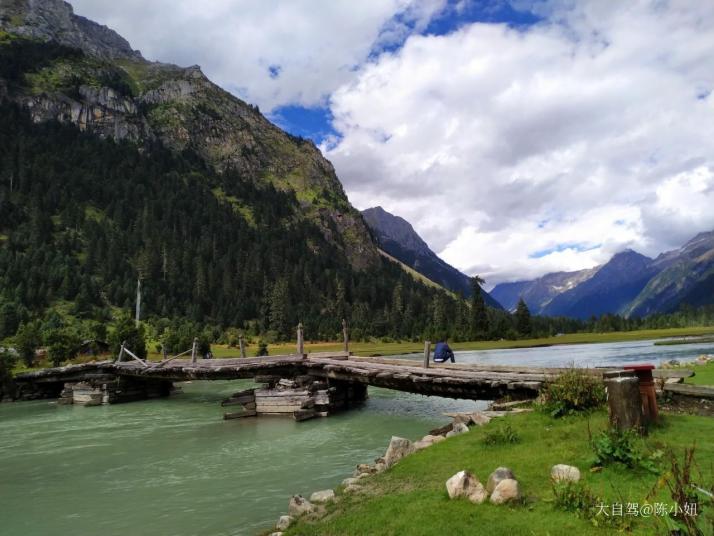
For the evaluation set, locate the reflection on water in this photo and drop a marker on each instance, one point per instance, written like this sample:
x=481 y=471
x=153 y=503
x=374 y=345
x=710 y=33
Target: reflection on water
x=175 y=467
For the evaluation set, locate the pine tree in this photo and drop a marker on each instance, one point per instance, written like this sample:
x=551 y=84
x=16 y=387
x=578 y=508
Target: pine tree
x=523 y=319
x=479 y=316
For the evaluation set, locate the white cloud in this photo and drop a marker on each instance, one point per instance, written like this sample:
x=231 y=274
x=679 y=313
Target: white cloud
x=594 y=127
x=315 y=46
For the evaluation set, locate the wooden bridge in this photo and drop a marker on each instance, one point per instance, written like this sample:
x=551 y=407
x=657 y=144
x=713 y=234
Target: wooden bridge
x=478 y=382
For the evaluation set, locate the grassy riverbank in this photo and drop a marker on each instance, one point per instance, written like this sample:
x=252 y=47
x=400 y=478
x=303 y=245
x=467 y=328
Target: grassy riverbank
x=411 y=497
x=375 y=348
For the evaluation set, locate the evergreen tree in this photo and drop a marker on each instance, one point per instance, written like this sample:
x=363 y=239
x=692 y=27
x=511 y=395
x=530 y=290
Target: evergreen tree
x=523 y=319
x=127 y=331
x=479 y=316
x=27 y=341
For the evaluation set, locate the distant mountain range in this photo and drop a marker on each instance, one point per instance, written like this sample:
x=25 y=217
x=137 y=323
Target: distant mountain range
x=397 y=238
x=629 y=284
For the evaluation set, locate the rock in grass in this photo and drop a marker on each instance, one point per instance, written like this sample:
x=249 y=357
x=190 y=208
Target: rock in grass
x=349 y=481
x=323 y=496
x=276 y=533
x=465 y=484
x=284 y=522
x=457 y=429
x=507 y=490
x=564 y=473
x=398 y=449
x=299 y=505
x=501 y=473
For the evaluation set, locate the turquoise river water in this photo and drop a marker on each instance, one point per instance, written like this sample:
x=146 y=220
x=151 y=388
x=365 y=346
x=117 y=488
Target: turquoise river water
x=173 y=467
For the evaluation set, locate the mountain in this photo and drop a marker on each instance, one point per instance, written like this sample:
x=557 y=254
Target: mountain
x=114 y=168
x=685 y=276
x=96 y=81
x=629 y=284
x=538 y=293
x=609 y=290
x=397 y=237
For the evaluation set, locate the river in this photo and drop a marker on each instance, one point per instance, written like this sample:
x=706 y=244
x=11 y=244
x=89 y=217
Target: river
x=174 y=467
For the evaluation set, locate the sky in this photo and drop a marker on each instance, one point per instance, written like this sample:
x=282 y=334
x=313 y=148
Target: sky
x=518 y=137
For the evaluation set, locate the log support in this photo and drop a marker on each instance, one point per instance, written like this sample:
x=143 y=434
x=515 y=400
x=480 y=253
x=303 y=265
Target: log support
x=623 y=400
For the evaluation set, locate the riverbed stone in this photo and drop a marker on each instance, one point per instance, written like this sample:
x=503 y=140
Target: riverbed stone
x=323 y=496
x=506 y=491
x=564 y=473
x=465 y=484
x=398 y=449
x=299 y=505
x=353 y=488
x=501 y=473
x=284 y=522
x=349 y=481
x=457 y=429
x=365 y=468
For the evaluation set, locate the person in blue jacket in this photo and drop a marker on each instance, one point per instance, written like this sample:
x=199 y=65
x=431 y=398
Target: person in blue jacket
x=443 y=353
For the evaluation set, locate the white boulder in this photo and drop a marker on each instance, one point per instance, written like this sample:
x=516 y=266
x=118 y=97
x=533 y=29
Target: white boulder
x=323 y=496
x=564 y=473
x=501 y=473
x=507 y=490
x=284 y=522
x=299 y=505
x=398 y=449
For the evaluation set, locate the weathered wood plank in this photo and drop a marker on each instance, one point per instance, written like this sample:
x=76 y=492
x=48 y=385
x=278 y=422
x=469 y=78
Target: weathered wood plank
x=699 y=391
x=672 y=373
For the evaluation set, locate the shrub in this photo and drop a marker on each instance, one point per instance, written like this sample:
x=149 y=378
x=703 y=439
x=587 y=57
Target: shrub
x=501 y=436
x=615 y=446
x=574 y=497
x=126 y=330
x=572 y=392
x=62 y=345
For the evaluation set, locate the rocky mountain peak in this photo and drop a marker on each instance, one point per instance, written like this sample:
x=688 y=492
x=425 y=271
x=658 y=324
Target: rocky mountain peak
x=394 y=228
x=55 y=20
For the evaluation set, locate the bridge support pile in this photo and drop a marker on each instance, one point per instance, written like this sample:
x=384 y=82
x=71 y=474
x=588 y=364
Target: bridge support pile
x=302 y=397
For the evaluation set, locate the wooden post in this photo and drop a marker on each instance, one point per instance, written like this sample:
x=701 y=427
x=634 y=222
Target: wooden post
x=346 y=336
x=623 y=400
x=241 y=345
x=121 y=352
x=427 y=352
x=300 y=340
x=193 y=350
x=163 y=351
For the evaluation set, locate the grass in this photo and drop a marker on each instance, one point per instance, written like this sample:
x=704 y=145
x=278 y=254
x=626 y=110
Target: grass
x=411 y=497
x=411 y=271
x=703 y=374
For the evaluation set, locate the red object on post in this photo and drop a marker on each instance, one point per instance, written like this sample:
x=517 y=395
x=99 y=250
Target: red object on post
x=647 y=390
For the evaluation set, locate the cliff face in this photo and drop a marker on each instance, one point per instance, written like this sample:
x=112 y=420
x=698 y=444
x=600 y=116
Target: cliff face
x=81 y=72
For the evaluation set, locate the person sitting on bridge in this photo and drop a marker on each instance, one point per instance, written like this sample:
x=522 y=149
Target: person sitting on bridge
x=442 y=352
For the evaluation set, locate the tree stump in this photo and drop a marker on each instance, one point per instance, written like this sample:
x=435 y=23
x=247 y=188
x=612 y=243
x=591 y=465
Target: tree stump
x=623 y=399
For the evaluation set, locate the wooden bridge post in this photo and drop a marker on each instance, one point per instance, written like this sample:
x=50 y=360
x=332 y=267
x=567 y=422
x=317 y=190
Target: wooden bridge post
x=163 y=351
x=300 y=340
x=346 y=336
x=623 y=399
x=121 y=352
x=427 y=352
x=241 y=345
x=193 y=350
